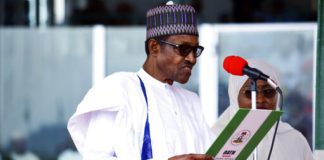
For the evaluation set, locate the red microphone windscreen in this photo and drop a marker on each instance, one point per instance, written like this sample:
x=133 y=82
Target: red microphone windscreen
x=234 y=65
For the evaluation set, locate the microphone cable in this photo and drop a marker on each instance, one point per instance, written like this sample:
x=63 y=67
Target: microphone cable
x=277 y=124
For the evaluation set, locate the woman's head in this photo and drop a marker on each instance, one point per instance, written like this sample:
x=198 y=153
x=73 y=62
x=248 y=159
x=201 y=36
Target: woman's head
x=266 y=97
x=239 y=88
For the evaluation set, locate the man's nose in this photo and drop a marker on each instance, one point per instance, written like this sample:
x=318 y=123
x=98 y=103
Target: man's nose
x=191 y=57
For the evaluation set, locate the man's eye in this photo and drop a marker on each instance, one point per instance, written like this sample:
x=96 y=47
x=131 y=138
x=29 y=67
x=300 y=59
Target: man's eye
x=185 y=49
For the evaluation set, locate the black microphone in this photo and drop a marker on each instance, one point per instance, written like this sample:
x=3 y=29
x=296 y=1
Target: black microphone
x=254 y=73
x=238 y=66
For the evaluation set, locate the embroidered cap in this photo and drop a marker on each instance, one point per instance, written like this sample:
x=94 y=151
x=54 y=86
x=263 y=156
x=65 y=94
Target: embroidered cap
x=171 y=19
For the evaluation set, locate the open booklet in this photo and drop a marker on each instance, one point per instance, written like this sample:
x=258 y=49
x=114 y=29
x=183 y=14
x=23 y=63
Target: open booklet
x=243 y=133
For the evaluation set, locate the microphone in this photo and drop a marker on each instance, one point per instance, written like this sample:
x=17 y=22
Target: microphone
x=238 y=66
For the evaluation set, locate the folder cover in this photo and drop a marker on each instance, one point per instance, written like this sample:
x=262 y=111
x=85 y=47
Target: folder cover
x=243 y=133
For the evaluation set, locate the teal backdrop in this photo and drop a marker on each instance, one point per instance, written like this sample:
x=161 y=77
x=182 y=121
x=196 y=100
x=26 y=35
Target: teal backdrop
x=319 y=102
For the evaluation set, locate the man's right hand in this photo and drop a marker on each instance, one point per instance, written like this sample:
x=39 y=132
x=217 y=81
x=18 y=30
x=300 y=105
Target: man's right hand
x=191 y=157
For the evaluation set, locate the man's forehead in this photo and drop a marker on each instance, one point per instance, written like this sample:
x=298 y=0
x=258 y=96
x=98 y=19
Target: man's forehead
x=184 y=38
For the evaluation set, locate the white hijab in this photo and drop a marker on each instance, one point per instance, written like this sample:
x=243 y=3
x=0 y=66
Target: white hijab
x=234 y=85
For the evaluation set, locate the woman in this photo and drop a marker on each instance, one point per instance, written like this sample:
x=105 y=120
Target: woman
x=289 y=143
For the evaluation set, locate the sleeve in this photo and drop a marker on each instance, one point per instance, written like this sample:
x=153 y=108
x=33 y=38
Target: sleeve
x=91 y=126
x=102 y=126
x=98 y=142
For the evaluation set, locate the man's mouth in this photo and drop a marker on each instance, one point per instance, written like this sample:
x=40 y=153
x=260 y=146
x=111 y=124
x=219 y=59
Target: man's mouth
x=188 y=67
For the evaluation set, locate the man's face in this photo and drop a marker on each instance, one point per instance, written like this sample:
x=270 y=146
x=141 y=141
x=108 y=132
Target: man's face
x=171 y=64
x=266 y=96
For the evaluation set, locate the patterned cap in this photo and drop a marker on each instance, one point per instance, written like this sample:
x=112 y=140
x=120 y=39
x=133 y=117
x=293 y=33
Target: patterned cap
x=171 y=20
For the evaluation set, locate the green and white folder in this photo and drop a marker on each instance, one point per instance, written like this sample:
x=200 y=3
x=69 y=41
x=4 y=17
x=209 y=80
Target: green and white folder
x=243 y=133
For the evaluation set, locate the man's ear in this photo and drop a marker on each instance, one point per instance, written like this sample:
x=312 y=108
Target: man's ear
x=153 y=47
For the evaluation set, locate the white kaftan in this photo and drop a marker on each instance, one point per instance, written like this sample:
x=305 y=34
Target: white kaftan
x=109 y=122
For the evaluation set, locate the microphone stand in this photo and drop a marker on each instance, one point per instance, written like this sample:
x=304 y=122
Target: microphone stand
x=253 y=92
x=253 y=95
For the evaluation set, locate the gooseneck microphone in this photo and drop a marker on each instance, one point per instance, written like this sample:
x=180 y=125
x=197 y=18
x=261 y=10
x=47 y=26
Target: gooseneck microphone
x=238 y=66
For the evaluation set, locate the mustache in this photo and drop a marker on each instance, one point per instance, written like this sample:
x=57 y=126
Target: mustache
x=188 y=64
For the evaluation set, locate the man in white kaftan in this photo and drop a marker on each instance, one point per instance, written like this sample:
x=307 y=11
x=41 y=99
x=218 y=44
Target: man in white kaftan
x=110 y=122
x=110 y=119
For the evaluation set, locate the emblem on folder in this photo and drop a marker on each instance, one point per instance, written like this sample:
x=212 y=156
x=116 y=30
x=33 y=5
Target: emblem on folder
x=241 y=137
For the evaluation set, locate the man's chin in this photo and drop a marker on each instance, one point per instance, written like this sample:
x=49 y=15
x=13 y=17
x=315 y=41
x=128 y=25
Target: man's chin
x=183 y=80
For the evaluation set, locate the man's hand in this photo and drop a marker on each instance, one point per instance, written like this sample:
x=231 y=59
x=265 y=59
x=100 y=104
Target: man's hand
x=191 y=157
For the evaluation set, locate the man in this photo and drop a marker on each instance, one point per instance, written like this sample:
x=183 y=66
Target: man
x=143 y=115
x=289 y=143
